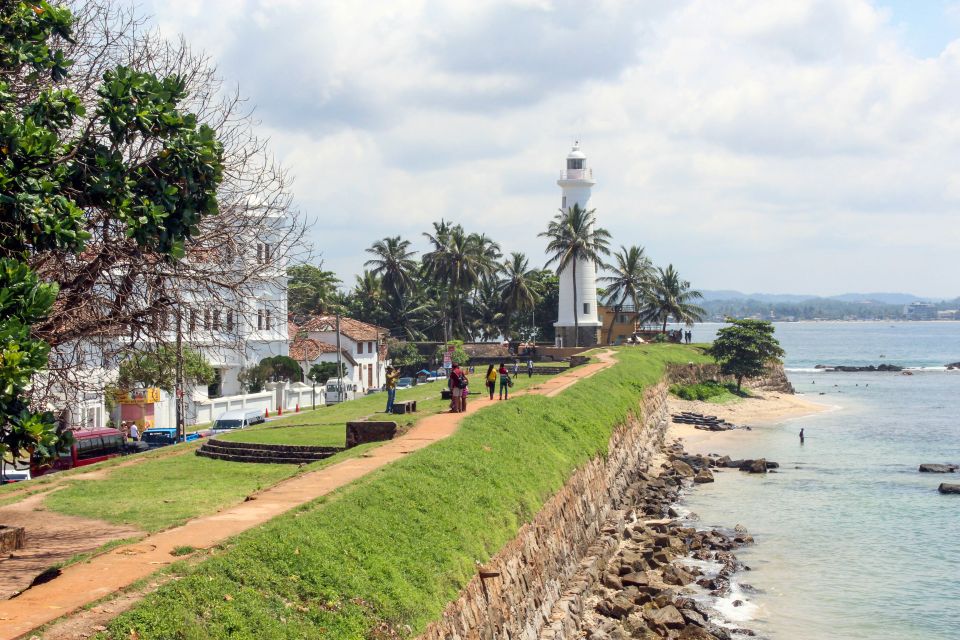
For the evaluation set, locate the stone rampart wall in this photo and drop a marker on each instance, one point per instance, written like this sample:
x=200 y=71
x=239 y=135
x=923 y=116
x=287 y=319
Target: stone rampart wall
x=774 y=379
x=519 y=593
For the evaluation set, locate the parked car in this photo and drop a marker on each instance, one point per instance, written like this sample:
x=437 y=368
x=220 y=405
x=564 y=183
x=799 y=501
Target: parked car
x=237 y=419
x=89 y=446
x=163 y=436
x=404 y=383
x=10 y=474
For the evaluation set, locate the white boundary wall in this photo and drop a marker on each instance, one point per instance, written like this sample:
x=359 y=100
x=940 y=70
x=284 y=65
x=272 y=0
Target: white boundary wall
x=209 y=410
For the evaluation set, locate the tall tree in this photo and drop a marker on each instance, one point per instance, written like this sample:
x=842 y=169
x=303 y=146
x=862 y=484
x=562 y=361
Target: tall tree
x=519 y=288
x=573 y=238
x=745 y=348
x=394 y=262
x=632 y=275
x=156 y=367
x=311 y=290
x=671 y=295
x=129 y=161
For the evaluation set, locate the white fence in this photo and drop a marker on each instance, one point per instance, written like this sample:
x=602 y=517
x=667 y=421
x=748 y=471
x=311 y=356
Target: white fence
x=209 y=410
x=302 y=395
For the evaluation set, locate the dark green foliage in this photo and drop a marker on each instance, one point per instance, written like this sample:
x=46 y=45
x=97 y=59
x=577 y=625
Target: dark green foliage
x=322 y=372
x=311 y=291
x=404 y=354
x=459 y=356
x=745 y=348
x=157 y=367
x=393 y=548
x=709 y=391
x=60 y=166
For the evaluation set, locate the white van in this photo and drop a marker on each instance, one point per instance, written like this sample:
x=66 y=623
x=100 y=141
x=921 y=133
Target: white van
x=237 y=419
x=339 y=389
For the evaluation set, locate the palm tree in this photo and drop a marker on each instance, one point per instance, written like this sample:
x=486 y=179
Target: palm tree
x=572 y=239
x=519 y=288
x=394 y=263
x=486 y=311
x=670 y=295
x=633 y=274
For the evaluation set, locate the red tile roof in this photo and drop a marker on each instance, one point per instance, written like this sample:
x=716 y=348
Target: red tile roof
x=353 y=329
x=308 y=350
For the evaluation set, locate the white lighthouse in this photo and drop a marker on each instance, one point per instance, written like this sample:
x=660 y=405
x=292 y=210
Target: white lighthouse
x=576 y=181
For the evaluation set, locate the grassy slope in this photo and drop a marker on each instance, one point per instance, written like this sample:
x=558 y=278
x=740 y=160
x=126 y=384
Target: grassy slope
x=396 y=546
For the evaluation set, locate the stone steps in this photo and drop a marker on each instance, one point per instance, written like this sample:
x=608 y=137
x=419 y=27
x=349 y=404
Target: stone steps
x=264 y=453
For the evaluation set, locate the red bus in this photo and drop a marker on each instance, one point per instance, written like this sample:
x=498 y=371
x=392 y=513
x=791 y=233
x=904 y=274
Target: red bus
x=89 y=446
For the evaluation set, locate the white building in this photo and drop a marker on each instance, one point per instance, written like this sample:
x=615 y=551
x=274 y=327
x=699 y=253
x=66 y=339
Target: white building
x=363 y=349
x=576 y=182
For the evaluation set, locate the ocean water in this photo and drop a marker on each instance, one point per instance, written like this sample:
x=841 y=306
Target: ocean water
x=851 y=540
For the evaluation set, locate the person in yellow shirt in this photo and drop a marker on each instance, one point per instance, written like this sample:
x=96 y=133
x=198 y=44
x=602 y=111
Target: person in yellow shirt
x=491 y=380
x=392 y=376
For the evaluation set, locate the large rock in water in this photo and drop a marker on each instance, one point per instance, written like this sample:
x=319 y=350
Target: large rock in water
x=758 y=466
x=932 y=467
x=682 y=468
x=949 y=488
x=703 y=476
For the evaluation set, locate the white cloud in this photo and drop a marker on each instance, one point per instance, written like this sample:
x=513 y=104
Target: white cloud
x=779 y=145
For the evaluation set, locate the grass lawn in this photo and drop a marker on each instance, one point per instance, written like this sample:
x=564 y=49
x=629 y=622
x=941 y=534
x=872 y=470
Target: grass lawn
x=172 y=489
x=385 y=554
x=326 y=426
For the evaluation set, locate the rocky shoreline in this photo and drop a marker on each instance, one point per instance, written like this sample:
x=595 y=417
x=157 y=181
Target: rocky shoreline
x=653 y=584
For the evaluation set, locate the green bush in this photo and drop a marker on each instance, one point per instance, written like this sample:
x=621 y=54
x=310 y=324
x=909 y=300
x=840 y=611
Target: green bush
x=704 y=391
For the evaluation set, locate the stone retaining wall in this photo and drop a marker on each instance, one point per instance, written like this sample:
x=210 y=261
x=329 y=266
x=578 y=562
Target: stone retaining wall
x=11 y=539
x=774 y=379
x=527 y=585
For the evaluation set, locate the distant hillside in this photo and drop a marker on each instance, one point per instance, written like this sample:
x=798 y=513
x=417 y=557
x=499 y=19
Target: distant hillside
x=881 y=298
x=846 y=307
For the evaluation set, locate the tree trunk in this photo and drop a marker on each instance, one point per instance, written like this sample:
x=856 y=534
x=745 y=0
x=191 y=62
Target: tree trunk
x=616 y=312
x=576 y=316
x=739 y=383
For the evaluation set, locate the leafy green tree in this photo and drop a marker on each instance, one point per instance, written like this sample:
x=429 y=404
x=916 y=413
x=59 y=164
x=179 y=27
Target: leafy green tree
x=459 y=356
x=573 y=238
x=394 y=263
x=367 y=300
x=323 y=371
x=157 y=367
x=278 y=368
x=404 y=354
x=671 y=295
x=311 y=291
x=545 y=311
x=633 y=276
x=519 y=290
x=62 y=162
x=745 y=348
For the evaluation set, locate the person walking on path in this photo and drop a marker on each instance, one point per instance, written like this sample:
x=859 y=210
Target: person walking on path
x=392 y=376
x=134 y=432
x=529 y=367
x=458 y=381
x=504 y=382
x=516 y=368
x=491 y=380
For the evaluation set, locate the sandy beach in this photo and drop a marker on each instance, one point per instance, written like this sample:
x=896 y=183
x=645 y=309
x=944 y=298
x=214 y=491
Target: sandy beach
x=764 y=407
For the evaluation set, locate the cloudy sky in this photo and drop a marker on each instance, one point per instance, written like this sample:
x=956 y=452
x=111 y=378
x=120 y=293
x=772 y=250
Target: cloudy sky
x=804 y=146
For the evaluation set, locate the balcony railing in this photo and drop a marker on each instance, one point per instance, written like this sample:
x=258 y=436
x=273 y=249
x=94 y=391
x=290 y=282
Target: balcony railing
x=577 y=174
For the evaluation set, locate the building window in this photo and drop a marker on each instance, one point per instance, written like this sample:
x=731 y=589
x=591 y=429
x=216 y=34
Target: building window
x=260 y=319
x=563 y=203
x=574 y=163
x=266 y=320
x=206 y=319
x=216 y=320
x=193 y=320
x=369 y=347
x=586 y=308
x=263 y=252
x=229 y=320
x=359 y=347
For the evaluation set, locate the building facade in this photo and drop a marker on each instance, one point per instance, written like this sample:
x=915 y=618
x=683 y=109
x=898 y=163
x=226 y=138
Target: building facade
x=363 y=349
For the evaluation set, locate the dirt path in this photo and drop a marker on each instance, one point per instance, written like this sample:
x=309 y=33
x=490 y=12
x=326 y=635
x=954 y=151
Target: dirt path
x=52 y=538
x=83 y=583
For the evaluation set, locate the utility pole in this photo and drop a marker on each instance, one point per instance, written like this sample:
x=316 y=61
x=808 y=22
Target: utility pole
x=181 y=427
x=340 y=381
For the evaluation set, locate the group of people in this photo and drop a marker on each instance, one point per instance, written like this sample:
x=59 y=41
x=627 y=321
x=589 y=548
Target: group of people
x=458 y=383
x=130 y=430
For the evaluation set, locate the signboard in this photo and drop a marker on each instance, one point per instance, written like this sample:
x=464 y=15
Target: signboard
x=140 y=396
x=448 y=358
